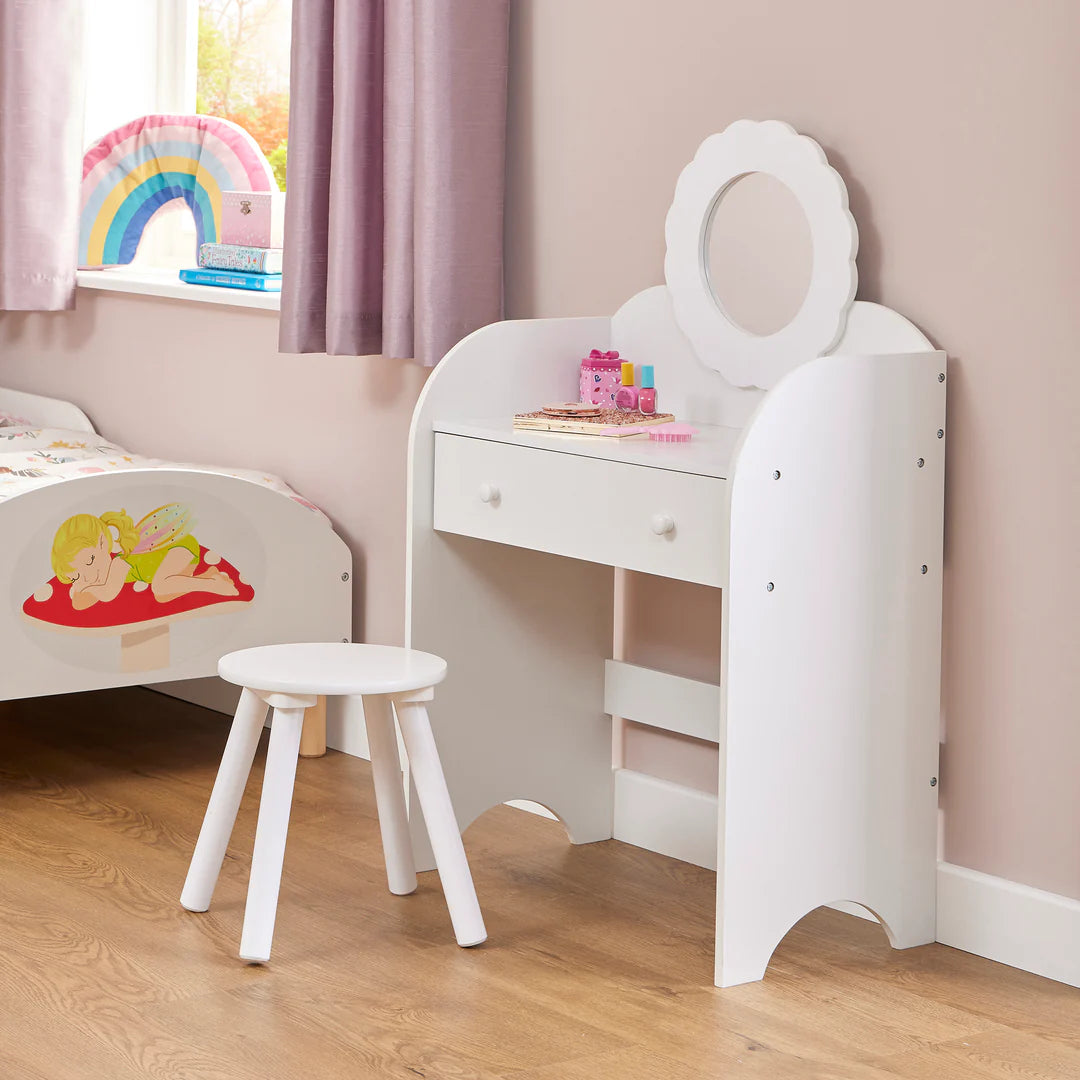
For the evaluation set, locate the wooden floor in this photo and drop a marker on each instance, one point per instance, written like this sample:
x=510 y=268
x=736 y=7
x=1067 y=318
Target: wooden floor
x=598 y=964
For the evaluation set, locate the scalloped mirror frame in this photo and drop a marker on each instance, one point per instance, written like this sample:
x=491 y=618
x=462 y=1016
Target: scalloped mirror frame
x=774 y=147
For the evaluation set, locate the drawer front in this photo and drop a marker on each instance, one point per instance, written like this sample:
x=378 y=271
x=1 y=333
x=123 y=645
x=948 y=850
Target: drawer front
x=667 y=523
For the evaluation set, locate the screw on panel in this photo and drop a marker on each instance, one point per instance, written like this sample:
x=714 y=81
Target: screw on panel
x=345 y=576
x=922 y=569
x=941 y=376
x=941 y=433
x=776 y=474
x=933 y=781
x=920 y=463
x=344 y=641
x=770 y=587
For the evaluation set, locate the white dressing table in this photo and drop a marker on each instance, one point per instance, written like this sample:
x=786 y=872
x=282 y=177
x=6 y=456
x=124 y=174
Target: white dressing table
x=812 y=496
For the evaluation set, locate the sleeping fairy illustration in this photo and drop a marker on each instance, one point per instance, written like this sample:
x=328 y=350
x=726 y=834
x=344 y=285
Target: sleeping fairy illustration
x=97 y=556
x=133 y=580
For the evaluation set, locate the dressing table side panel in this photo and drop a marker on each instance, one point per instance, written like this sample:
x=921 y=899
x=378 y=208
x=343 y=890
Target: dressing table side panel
x=831 y=678
x=525 y=634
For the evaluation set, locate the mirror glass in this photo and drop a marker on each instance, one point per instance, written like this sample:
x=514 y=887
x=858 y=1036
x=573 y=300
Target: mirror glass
x=758 y=253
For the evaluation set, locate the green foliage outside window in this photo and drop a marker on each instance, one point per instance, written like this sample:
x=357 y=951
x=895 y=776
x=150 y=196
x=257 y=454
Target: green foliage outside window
x=244 y=70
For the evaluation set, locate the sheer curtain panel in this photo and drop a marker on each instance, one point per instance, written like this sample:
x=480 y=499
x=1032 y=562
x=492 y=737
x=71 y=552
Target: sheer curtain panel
x=40 y=152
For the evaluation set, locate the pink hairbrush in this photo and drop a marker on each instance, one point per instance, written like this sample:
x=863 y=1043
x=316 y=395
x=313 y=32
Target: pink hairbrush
x=672 y=433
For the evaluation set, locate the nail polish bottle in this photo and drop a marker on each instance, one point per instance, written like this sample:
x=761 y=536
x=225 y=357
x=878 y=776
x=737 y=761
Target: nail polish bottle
x=647 y=396
x=626 y=398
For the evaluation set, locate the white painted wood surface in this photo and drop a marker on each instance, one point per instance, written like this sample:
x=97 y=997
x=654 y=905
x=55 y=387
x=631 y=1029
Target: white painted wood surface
x=388 y=778
x=271 y=833
x=522 y=625
x=299 y=568
x=662 y=700
x=831 y=657
x=524 y=633
x=151 y=281
x=43 y=411
x=1008 y=922
x=710 y=452
x=775 y=148
x=668 y=523
x=225 y=799
x=377 y=680
x=672 y=819
x=443 y=832
x=829 y=696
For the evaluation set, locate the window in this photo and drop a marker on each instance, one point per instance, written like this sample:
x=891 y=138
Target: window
x=243 y=70
x=228 y=58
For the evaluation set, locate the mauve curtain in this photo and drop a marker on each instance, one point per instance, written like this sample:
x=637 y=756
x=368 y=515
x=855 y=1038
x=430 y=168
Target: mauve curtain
x=40 y=158
x=394 y=215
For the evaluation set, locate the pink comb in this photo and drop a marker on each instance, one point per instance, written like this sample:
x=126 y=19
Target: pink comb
x=672 y=433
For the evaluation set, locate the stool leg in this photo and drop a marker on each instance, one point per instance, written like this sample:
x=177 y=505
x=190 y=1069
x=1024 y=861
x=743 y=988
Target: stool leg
x=270 y=833
x=442 y=826
x=224 y=802
x=313 y=740
x=390 y=795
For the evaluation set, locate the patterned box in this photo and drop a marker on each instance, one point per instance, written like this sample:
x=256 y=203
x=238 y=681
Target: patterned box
x=256 y=260
x=600 y=379
x=253 y=218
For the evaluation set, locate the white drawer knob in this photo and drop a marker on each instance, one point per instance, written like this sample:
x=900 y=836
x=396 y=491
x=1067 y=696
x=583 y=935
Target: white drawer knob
x=489 y=493
x=662 y=523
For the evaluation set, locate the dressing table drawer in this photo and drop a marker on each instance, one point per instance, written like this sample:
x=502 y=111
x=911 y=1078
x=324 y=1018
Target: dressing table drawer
x=672 y=524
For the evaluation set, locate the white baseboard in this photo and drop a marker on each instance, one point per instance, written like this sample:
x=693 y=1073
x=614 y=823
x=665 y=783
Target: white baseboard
x=1001 y=920
x=1014 y=924
x=668 y=818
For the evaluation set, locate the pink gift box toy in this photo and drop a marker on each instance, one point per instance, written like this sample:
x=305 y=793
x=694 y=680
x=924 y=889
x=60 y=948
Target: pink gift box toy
x=253 y=218
x=600 y=380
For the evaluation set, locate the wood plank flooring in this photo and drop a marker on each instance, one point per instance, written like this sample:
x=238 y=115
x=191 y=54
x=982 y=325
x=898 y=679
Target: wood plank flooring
x=598 y=963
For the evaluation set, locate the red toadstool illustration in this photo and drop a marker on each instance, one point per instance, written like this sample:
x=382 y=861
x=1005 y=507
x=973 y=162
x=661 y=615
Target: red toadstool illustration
x=118 y=578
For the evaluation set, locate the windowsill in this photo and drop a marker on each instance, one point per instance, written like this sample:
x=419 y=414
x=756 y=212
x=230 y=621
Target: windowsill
x=149 y=281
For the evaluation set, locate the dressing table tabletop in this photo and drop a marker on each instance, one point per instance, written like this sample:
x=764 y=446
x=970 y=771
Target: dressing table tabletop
x=710 y=452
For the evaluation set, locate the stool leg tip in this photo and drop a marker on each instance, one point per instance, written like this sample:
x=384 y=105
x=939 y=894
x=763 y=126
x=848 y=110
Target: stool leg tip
x=469 y=943
x=192 y=900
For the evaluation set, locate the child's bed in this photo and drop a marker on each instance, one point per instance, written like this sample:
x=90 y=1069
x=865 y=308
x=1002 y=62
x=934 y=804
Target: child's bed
x=119 y=569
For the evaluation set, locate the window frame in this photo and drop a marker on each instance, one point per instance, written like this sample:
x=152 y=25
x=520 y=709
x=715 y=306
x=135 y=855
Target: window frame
x=175 y=45
x=177 y=55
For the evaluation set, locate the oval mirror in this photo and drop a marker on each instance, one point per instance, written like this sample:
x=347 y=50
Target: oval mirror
x=758 y=253
x=760 y=261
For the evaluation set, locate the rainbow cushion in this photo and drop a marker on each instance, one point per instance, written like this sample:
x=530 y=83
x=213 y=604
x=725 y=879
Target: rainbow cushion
x=150 y=162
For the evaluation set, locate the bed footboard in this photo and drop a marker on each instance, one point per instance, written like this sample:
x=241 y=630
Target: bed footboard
x=210 y=563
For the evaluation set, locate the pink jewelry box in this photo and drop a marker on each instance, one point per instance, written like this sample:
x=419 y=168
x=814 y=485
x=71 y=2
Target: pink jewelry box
x=600 y=378
x=253 y=218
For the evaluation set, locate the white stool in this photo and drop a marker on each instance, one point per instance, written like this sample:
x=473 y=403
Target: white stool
x=289 y=678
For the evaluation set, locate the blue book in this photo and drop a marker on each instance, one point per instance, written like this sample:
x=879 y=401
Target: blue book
x=233 y=279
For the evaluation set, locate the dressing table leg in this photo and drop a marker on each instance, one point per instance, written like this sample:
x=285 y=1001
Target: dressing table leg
x=520 y=716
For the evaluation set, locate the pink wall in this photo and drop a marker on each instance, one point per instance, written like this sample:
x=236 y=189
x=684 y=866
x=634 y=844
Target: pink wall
x=955 y=126
x=199 y=382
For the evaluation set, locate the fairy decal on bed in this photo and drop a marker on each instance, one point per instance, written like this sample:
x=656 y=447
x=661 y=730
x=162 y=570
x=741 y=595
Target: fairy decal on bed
x=159 y=551
x=131 y=579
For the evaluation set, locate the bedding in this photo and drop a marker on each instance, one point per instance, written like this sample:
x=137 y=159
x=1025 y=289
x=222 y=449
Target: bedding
x=121 y=569
x=32 y=456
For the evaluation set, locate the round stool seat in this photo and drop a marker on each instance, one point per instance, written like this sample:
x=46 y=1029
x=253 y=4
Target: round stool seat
x=332 y=668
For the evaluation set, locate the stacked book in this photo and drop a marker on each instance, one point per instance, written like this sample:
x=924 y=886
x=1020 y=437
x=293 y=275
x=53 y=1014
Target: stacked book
x=249 y=254
x=237 y=267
